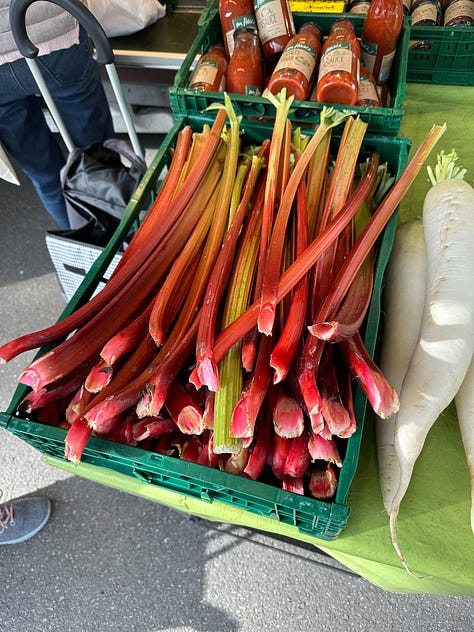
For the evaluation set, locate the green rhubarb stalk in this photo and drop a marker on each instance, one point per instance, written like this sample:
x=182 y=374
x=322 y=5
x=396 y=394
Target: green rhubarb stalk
x=329 y=118
x=315 y=185
x=230 y=367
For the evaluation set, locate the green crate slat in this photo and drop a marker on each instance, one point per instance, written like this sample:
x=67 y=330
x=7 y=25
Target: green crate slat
x=186 y=102
x=447 y=57
x=324 y=520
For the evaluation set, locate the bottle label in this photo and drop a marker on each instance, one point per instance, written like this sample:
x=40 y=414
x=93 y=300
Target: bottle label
x=359 y=6
x=337 y=57
x=204 y=73
x=368 y=54
x=253 y=91
x=242 y=21
x=270 y=19
x=425 y=12
x=300 y=57
x=457 y=9
x=386 y=66
x=367 y=90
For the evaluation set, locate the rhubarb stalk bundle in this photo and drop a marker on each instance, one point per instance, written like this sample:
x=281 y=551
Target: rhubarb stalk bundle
x=231 y=331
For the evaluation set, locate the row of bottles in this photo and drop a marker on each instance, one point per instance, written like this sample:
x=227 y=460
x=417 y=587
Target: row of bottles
x=428 y=12
x=340 y=76
x=343 y=66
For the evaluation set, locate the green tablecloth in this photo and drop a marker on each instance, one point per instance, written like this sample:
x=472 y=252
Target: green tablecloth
x=434 y=523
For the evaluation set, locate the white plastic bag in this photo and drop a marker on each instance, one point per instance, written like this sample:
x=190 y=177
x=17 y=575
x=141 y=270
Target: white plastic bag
x=124 y=17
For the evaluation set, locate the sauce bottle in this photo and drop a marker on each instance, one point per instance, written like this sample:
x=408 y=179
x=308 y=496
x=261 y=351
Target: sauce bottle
x=338 y=77
x=210 y=72
x=368 y=95
x=245 y=69
x=459 y=13
x=275 y=25
x=425 y=13
x=233 y=15
x=297 y=65
x=382 y=26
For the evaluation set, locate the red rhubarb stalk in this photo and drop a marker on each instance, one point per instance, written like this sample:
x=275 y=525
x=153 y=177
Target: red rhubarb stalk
x=86 y=342
x=261 y=447
x=353 y=310
x=298 y=458
x=151 y=427
x=288 y=342
x=117 y=281
x=176 y=281
x=382 y=397
x=303 y=263
x=329 y=118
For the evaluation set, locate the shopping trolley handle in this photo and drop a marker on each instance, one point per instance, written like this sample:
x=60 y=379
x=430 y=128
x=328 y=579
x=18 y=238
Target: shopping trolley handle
x=103 y=50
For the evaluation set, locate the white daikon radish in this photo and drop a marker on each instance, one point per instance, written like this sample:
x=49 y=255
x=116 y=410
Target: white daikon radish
x=443 y=353
x=404 y=299
x=464 y=401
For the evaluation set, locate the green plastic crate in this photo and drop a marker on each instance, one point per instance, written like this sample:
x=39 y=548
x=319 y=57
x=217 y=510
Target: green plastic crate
x=446 y=56
x=185 y=102
x=324 y=520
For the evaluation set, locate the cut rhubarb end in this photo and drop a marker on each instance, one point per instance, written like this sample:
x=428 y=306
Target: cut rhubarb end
x=336 y=416
x=240 y=426
x=288 y=418
x=266 y=318
x=310 y=391
x=294 y=485
x=30 y=378
x=190 y=421
x=194 y=378
x=317 y=422
x=208 y=374
x=323 y=483
x=322 y=449
x=76 y=440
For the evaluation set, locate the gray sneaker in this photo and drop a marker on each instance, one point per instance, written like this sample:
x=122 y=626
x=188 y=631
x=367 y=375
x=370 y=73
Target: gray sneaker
x=21 y=519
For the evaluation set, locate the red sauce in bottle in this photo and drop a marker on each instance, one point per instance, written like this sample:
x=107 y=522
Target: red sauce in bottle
x=459 y=13
x=368 y=95
x=275 y=25
x=297 y=65
x=235 y=14
x=382 y=26
x=245 y=69
x=338 y=78
x=210 y=72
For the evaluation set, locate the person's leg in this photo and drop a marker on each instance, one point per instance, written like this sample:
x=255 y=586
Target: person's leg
x=21 y=519
x=27 y=138
x=73 y=78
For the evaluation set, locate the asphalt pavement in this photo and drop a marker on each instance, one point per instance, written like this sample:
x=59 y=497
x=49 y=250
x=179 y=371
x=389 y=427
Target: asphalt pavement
x=110 y=561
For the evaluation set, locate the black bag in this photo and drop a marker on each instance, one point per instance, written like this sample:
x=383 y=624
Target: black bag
x=97 y=186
